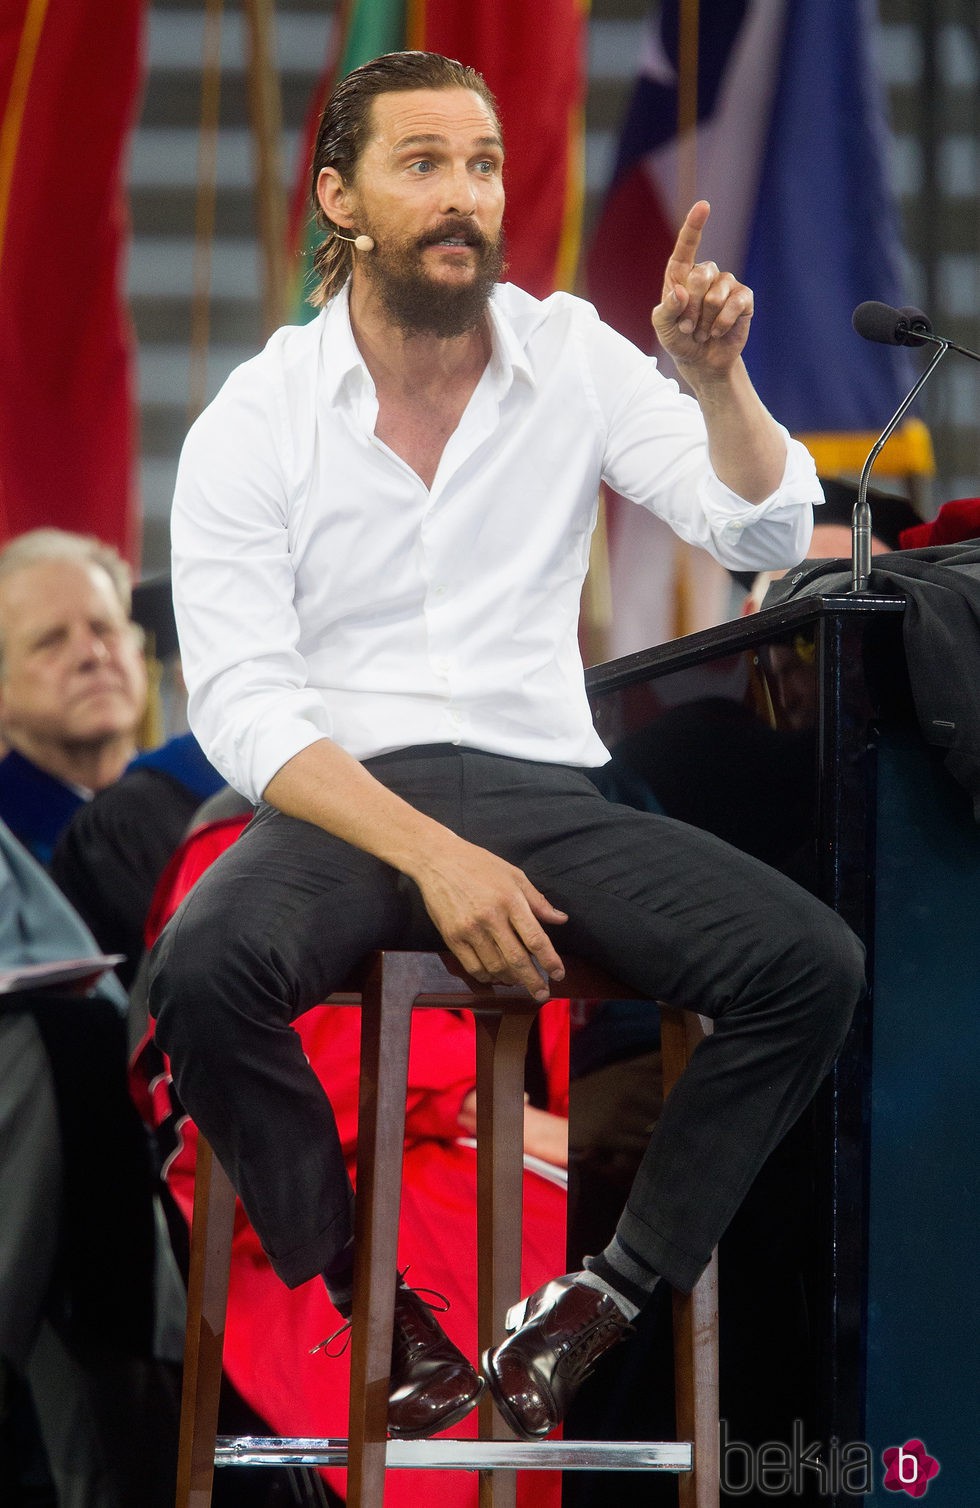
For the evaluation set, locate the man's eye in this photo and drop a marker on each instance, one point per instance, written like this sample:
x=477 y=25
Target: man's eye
x=51 y=640
x=423 y=166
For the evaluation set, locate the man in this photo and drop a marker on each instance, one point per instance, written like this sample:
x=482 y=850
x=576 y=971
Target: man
x=380 y=534
x=72 y=680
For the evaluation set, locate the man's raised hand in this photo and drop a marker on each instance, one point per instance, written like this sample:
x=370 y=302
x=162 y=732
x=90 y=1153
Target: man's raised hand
x=703 y=317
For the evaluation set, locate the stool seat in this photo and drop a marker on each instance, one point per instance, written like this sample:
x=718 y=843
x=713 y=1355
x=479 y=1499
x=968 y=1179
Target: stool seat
x=388 y=987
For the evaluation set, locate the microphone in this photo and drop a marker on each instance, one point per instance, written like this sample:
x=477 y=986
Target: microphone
x=901 y=327
x=359 y=243
x=890 y=327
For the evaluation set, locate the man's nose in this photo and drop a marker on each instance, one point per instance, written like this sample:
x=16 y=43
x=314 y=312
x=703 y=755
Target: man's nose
x=90 y=647
x=459 y=194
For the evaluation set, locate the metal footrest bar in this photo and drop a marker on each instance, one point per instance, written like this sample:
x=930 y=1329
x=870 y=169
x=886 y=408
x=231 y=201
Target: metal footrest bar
x=464 y=1455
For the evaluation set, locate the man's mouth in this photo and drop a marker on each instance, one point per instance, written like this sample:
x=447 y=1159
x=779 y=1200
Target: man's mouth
x=461 y=236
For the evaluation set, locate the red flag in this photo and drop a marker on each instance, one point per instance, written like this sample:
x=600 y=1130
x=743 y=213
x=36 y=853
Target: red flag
x=532 y=56
x=70 y=72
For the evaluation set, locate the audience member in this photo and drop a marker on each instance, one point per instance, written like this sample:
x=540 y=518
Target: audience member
x=89 y=1297
x=115 y=848
x=72 y=680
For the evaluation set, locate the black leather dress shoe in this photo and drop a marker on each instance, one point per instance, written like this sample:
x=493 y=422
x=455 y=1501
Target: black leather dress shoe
x=432 y=1383
x=554 y=1340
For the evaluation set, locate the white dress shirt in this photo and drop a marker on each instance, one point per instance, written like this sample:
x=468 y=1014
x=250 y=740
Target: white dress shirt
x=321 y=590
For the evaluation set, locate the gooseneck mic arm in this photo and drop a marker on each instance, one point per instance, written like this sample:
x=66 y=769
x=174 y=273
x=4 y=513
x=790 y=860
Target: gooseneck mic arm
x=891 y=327
x=861 y=519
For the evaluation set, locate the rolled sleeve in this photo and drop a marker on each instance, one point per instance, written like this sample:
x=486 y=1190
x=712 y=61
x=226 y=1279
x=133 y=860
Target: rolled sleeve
x=770 y=534
x=656 y=454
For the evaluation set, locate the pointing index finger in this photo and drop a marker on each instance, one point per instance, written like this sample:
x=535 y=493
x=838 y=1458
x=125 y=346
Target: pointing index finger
x=684 y=254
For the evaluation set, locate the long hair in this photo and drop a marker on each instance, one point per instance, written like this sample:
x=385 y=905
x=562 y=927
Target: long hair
x=344 y=129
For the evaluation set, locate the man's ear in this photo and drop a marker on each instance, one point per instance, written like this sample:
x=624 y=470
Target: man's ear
x=333 y=196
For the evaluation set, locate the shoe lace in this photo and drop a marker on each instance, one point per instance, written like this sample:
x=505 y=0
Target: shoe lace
x=342 y=1334
x=577 y=1360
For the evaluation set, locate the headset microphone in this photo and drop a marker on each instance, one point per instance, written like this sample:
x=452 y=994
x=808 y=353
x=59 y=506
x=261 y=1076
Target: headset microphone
x=359 y=243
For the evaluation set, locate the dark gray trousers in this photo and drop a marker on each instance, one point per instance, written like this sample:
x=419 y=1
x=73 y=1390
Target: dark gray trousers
x=279 y=921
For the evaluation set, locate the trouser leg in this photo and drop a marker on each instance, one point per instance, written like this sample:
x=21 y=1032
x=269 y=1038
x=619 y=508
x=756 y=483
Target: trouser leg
x=684 y=918
x=279 y=921
x=272 y=928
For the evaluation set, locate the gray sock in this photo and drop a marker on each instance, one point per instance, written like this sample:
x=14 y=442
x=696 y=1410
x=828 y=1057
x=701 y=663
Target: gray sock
x=621 y=1274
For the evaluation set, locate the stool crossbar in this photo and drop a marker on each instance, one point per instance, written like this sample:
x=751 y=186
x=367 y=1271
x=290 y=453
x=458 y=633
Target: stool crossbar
x=390 y=986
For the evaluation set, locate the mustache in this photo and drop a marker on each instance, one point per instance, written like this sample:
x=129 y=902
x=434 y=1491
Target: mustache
x=455 y=228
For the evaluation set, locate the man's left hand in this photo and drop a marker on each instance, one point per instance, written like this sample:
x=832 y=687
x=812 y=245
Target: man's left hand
x=703 y=318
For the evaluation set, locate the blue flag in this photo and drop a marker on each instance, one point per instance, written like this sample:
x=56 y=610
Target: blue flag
x=774 y=114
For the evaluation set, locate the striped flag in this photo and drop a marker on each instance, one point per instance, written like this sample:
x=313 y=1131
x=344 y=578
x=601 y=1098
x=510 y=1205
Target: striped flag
x=69 y=77
x=772 y=111
x=541 y=103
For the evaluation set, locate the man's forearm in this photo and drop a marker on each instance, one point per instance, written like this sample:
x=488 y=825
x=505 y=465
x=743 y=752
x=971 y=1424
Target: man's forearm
x=486 y=910
x=325 y=785
x=746 y=447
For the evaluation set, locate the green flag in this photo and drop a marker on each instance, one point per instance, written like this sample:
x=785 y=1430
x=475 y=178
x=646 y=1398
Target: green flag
x=366 y=28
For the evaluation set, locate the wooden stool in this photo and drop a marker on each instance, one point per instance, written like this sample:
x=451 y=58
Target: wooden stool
x=392 y=985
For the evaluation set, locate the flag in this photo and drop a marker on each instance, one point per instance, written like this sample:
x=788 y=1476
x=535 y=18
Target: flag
x=533 y=58
x=363 y=29
x=787 y=140
x=772 y=111
x=70 y=73
x=541 y=98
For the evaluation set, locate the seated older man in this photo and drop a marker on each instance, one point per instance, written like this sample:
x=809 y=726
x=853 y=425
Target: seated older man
x=72 y=680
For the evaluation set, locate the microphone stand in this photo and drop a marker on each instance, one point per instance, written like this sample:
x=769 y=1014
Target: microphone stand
x=861 y=517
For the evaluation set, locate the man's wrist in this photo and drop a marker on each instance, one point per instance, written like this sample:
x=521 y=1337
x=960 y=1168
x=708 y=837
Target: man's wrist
x=715 y=387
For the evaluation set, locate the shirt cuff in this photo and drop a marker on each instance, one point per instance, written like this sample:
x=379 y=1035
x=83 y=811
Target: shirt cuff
x=798 y=489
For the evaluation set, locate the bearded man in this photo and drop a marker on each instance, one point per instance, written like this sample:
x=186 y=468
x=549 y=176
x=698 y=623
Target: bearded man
x=381 y=528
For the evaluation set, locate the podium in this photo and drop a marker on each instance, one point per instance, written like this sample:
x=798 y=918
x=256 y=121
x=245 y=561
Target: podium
x=792 y=734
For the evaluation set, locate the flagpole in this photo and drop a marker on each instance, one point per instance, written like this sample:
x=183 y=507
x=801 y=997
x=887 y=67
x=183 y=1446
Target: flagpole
x=266 y=111
x=689 y=42
x=204 y=208
x=688 y=48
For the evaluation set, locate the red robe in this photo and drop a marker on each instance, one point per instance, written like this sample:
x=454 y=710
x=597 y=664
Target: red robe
x=270 y=1327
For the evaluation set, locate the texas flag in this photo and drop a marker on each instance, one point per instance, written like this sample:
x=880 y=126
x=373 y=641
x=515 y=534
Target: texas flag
x=773 y=112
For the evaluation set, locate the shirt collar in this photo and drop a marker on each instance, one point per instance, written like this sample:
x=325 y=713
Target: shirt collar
x=508 y=356
x=339 y=357
x=341 y=360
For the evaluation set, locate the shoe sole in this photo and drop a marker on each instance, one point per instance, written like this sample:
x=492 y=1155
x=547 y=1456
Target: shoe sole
x=502 y=1405
x=446 y=1423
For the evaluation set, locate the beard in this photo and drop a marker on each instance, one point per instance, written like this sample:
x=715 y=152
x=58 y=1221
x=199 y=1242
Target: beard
x=419 y=305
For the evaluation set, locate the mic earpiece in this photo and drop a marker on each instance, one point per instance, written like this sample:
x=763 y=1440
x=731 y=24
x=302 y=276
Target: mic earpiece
x=359 y=243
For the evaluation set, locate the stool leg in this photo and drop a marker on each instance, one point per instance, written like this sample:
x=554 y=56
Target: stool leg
x=386 y=1013
x=207 y=1300
x=695 y=1316
x=502 y=1032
